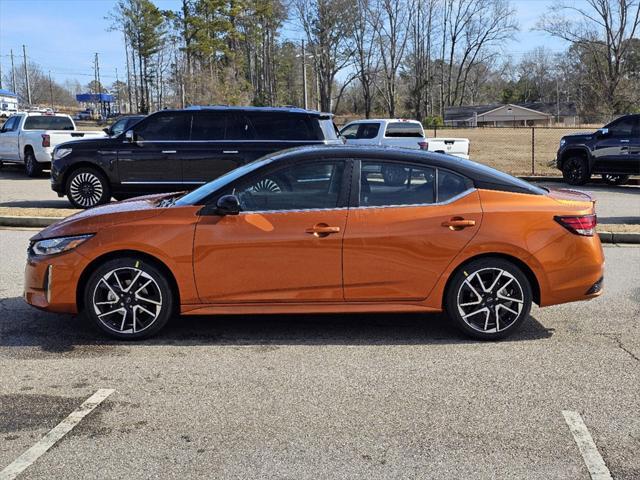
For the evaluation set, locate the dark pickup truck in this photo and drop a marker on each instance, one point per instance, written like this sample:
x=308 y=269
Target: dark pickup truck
x=612 y=151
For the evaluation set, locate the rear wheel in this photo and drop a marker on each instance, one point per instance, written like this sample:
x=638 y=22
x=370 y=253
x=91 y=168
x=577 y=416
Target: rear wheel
x=615 y=179
x=489 y=298
x=129 y=298
x=87 y=187
x=575 y=170
x=31 y=165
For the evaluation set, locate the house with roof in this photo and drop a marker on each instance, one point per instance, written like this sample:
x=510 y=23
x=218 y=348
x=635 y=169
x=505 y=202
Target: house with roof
x=530 y=114
x=8 y=103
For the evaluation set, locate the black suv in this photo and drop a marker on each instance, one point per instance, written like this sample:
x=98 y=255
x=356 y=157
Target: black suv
x=175 y=150
x=612 y=151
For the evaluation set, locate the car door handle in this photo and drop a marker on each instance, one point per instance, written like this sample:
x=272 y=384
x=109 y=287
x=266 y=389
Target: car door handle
x=458 y=223
x=230 y=151
x=322 y=230
x=169 y=151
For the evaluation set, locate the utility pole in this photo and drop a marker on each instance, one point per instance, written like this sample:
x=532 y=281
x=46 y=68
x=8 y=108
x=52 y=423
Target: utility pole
x=51 y=90
x=13 y=75
x=118 y=91
x=304 y=77
x=26 y=74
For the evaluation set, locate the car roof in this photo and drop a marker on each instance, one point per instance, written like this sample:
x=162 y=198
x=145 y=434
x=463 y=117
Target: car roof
x=295 y=110
x=385 y=120
x=483 y=176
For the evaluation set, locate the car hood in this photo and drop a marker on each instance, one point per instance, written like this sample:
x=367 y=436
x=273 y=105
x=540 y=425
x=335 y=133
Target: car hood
x=578 y=137
x=97 y=218
x=91 y=142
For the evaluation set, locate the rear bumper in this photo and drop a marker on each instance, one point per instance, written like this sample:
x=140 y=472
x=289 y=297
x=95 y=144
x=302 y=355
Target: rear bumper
x=50 y=282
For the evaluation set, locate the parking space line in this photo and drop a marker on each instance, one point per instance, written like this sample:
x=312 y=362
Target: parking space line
x=592 y=458
x=65 y=426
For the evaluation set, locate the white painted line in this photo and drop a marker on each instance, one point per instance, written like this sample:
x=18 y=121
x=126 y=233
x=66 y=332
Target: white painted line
x=592 y=458
x=59 y=431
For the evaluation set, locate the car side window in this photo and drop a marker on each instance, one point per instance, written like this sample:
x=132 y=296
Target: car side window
x=208 y=126
x=118 y=127
x=10 y=125
x=165 y=127
x=303 y=186
x=391 y=184
x=238 y=128
x=622 y=128
x=350 y=131
x=368 y=130
x=450 y=185
x=279 y=126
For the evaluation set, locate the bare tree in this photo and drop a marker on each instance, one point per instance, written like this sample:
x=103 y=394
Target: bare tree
x=603 y=30
x=367 y=55
x=327 y=26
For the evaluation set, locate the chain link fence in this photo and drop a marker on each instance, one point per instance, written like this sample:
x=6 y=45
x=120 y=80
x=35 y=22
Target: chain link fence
x=518 y=151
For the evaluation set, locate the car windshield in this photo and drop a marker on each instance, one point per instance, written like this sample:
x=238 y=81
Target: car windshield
x=199 y=194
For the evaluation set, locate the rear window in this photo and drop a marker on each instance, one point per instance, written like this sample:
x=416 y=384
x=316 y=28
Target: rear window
x=404 y=129
x=268 y=126
x=46 y=122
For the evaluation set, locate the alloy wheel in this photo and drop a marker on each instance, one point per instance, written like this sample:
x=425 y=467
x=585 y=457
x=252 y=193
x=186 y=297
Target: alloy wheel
x=127 y=300
x=266 y=185
x=490 y=300
x=86 y=189
x=574 y=169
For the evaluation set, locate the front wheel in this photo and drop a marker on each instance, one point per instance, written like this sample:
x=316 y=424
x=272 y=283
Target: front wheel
x=489 y=298
x=31 y=165
x=615 y=179
x=128 y=298
x=87 y=188
x=575 y=170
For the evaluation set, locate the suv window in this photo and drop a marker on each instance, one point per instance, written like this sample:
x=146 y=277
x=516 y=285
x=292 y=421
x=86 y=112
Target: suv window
x=361 y=131
x=275 y=126
x=238 y=128
x=387 y=184
x=623 y=127
x=164 y=126
x=46 y=122
x=208 y=126
x=118 y=127
x=311 y=185
x=404 y=129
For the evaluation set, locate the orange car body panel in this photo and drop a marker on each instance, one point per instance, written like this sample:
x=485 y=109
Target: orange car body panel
x=388 y=259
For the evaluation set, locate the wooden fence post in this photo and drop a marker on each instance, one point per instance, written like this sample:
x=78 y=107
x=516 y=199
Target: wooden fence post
x=533 y=151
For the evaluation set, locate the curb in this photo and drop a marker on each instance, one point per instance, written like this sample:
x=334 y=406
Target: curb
x=543 y=178
x=31 y=222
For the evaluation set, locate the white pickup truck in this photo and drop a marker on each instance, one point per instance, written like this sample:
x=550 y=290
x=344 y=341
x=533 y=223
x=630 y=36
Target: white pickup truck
x=401 y=133
x=29 y=138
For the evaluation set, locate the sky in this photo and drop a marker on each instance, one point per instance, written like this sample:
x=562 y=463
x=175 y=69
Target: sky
x=62 y=36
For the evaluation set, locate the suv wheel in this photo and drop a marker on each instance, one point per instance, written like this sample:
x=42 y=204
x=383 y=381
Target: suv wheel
x=489 y=298
x=615 y=179
x=128 y=298
x=575 y=170
x=87 y=188
x=31 y=165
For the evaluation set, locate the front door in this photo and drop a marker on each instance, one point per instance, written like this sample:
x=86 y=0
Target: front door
x=406 y=230
x=154 y=158
x=9 y=140
x=285 y=245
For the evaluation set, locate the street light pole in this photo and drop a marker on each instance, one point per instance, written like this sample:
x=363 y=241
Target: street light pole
x=304 y=77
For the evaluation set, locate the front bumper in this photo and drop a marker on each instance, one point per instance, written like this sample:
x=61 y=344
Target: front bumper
x=50 y=282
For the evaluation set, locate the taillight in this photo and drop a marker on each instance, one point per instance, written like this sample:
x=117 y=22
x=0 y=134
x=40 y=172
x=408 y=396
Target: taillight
x=424 y=145
x=584 y=225
x=46 y=140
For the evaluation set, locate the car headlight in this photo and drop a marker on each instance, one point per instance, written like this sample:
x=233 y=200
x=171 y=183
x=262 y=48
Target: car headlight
x=52 y=246
x=562 y=142
x=59 y=153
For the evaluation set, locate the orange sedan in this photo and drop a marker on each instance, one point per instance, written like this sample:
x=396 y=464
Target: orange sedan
x=325 y=229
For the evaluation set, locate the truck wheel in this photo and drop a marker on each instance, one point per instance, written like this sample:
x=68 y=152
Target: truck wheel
x=31 y=165
x=615 y=179
x=575 y=170
x=87 y=187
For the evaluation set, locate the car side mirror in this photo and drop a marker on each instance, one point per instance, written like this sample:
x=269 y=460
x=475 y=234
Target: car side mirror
x=603 y=132
x=226 y=205
x=130 y=136
x=107 y=130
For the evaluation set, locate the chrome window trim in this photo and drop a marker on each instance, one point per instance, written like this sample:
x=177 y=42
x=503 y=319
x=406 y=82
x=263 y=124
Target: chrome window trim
x=175 y=182
x=319 y=142
x=298 y=210
x=434 y=204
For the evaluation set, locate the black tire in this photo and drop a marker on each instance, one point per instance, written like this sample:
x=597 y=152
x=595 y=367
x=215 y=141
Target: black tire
x=31 y=165
x=394 y=175
x=87 y=187
x=467 y=294
x=111 y=302
x=612 y=179
x=575 y=170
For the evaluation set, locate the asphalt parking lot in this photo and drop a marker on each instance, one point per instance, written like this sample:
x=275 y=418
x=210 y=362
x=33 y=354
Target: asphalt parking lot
x=314 y=397
x=619 y=204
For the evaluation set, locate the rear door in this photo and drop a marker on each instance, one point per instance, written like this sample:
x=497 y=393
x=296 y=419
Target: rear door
x=9 y=139
x=400 y=236
x=153 y=160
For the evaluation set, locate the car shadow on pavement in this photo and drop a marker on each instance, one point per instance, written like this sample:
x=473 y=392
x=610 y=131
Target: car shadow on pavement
x=21 y=326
